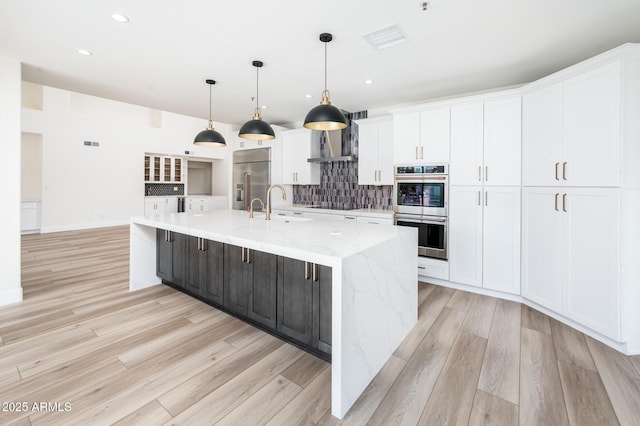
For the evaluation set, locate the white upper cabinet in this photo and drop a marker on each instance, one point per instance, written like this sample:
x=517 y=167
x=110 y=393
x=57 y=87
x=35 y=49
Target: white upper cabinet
x=486 y=142
x=572 y=130
x=422 y=136
x=434 y=135
x=375 y=151
x=542 y=136
x=297 y=147
x=406 y=137
x=592 y=127
x=502 y=141
x=240 y=143
x=467 y=156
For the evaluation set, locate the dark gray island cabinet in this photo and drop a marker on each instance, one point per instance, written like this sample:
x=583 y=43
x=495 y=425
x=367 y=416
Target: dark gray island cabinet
x=286 y=297
x=335 y=288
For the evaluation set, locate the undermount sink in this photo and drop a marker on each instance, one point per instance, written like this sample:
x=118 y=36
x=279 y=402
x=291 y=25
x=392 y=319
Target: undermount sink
x=279 y=218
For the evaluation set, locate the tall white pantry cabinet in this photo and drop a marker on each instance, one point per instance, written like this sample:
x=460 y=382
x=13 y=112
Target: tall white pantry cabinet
x=581 y=195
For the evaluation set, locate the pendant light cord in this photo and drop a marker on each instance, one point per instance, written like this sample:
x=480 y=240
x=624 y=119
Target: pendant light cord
x=325 y=65
x=257 y=89
x=210 y=104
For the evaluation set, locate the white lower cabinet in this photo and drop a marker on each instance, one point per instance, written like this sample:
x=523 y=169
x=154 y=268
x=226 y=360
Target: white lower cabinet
x=484 y=237
x=160 y=205
x=197 y=205
x=571 y=254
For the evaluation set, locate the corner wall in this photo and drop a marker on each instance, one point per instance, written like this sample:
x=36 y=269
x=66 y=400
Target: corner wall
x=10 y=140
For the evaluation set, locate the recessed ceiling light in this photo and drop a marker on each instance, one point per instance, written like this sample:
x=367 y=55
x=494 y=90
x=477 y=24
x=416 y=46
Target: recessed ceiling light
x=85 y=52
x=120 y=18
x=308 y=96
x=368 y=82
x=264 y=107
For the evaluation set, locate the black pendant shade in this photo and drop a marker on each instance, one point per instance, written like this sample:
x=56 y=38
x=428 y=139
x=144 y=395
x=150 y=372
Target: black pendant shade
x=256 y=129
x=209 y=136
x=325 y=116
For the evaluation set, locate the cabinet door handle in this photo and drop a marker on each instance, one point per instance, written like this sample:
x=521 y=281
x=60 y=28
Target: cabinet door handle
x=479 y=195
x=479 y=173
x=417 y=153
x=422 y=152
x=243 y=256
x=556 y=201
x=486 y=198
x=486 y=173
x=198 y=239
x=564 y=170
x=564 y=202
x=306 y=270
x=557 y=164
x=315 y=272
x=248 y=255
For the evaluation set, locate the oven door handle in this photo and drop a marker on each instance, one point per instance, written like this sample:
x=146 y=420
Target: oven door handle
x=419 y=178
x=421 y=219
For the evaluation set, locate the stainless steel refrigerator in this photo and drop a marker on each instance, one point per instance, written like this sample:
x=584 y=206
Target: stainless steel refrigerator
x=251 y=176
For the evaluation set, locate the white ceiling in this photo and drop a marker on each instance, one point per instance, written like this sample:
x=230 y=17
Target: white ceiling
x=161 y=58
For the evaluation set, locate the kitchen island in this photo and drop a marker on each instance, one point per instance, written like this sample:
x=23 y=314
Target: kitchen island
x=373 y=279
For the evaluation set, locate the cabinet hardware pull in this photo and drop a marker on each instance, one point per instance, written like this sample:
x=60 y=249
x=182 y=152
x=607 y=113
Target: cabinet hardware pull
x=479 y=195
x=422 y=152
x=556 y=201
x=564 y=170
x=306 y=270
x=421 y=267
x=479 y=173
x=204 y=244
x=564 y=203
x=315 y=272
x=557 y=164
x=248 y=255
x=416 y=152
x=486 y=173
x=486 y=198
x=242 y=248
x=198 y=244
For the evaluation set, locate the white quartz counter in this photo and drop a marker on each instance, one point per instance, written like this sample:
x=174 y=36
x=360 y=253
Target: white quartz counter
x=374 y=286
x=318 y=241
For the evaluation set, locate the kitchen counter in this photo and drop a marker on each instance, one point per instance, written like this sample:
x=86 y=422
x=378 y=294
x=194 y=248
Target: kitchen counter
x=374 y=297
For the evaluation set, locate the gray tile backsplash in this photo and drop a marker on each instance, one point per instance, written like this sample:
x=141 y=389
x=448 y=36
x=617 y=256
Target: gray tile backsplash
x=162 y=189
x=339 y=189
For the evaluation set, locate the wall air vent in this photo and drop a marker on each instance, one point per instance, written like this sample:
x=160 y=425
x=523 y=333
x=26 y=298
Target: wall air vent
x=388 y=36
x=91 y=143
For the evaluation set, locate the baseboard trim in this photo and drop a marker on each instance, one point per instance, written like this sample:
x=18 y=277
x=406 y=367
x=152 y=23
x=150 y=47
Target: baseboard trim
x=8 y=297
x=79 y=226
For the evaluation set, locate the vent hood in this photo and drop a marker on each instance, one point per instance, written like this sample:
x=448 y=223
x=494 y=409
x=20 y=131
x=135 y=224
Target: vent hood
x=338 y=145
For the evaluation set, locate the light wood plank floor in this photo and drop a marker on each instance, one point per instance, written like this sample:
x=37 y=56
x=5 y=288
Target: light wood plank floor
x=95 y=353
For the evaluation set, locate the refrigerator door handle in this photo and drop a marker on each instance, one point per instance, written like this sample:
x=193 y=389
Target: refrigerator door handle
x=247 y=190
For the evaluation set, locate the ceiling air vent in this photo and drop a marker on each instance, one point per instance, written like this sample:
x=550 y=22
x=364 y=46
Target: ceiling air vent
x=388 y=36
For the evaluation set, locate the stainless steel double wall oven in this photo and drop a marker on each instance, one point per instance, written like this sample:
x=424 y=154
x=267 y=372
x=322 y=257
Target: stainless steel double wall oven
x=421 y=196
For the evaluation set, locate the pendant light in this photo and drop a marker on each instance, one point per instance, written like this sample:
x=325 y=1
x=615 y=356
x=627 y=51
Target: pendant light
x=325 y=116
x=209 y=137
x=256 y=129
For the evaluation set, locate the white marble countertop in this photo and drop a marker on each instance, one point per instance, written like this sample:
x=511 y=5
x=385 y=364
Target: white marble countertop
x=379 y=213
x=321 y=241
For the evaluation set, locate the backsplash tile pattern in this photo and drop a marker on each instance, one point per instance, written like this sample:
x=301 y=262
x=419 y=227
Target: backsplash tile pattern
x=339 y=189
x=162 y=189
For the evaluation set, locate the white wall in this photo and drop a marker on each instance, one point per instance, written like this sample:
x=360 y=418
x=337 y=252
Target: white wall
x=87 y=187
x=10 y=88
